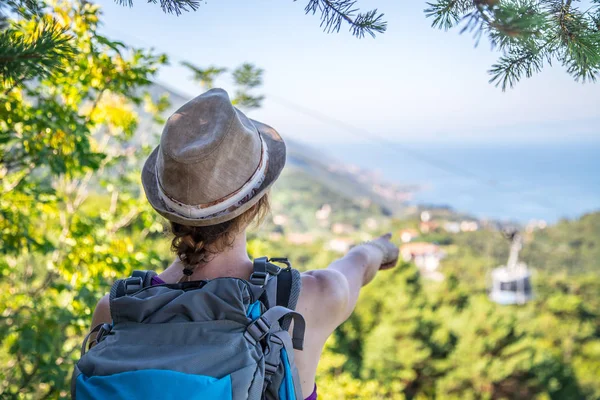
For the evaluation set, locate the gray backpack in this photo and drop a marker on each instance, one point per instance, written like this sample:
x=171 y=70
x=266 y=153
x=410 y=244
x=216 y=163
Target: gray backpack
x=223 y=339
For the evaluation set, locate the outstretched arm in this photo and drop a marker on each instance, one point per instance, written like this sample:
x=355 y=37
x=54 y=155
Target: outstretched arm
x=332 y=293
x=328 y=298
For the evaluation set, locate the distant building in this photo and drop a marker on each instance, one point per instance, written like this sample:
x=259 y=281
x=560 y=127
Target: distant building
x=340 y=245
x=280 y=219
x=534 y=225
x=300 y=238
x=407 y=235
x=275 y=236
x=371 y=223
x=342 y=229
x=365 y=202
x=323 y=213
x=452 y=227
x=469 y=226
x=426 y=256
x=425 y=216
x=428 y=226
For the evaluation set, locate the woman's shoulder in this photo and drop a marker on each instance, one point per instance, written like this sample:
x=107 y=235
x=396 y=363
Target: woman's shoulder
x=102 y=312
x=324 y=292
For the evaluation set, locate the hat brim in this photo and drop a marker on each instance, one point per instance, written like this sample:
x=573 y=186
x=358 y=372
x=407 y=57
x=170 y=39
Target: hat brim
x=277 y=157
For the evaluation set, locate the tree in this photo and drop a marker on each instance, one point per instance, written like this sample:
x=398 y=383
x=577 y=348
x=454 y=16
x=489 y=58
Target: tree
x=72 y=213
x=246 y=77
x=333 y=14
x=528 y=34
x=44 y=49
x=68 y=190
x=73 y=218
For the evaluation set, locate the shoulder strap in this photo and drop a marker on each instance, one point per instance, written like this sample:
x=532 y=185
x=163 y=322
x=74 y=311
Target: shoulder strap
x=289 y=284
x=281 y=285
x=264 y=325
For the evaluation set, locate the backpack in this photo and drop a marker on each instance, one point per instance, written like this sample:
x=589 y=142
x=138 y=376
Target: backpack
x=225 y=339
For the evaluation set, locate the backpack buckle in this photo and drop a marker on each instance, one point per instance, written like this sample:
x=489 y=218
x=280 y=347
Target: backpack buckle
x=259 y=278
x=133 y=284
x=103 y=332
x=263 y=267
x=282 y=260
x=270 y=369
x=257 y=330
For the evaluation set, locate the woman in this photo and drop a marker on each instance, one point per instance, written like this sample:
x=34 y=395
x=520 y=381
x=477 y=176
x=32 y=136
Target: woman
x=210 y=178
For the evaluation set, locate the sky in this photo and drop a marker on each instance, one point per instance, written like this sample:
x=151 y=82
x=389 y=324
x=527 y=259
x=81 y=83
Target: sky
x=410 y=84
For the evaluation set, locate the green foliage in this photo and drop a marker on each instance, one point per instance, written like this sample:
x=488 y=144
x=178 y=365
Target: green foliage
x=205 y=76
x=299 y=195
x=73 y=218
x=63 y=136
x=529 y=34
x=34 y=51
x=568 y=247
x=170 y=6
x=447 y=340
x=246 y=77
x=335 y=12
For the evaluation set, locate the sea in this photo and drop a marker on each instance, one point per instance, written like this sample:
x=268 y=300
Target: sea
x=508 y=182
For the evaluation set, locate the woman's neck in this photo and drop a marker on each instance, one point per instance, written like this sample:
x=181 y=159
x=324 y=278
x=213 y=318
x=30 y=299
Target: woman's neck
x=232 y=262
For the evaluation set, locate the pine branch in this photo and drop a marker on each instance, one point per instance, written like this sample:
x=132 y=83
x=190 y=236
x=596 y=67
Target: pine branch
x=512 y=66
x=522 y=19
x=581 y=38
x=39 y=54
x=447 y=13
x=24 y=8
x=333 y=14
x=581 y=58
x=169 y=6
x=529 y=33
x=336 y=12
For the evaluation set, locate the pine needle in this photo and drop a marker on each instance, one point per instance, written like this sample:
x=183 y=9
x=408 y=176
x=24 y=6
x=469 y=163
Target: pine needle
x=39 y=54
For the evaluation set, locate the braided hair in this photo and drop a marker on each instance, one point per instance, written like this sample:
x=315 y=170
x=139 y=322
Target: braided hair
x=195 y=245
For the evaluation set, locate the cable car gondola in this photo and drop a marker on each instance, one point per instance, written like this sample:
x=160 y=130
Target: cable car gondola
x=511 y=283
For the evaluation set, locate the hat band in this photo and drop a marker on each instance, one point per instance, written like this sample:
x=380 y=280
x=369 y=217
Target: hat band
x=226 y=204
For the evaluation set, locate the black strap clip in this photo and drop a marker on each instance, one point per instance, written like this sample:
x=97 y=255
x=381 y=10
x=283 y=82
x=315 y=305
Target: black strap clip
x=133 y=284
x=282 y=260
x=103 y=332
x=263 y=267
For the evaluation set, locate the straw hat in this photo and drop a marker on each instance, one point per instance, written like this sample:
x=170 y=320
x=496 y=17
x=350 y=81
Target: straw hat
x=213 y=163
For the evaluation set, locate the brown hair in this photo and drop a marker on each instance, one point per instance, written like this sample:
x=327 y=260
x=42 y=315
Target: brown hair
x=196 y=244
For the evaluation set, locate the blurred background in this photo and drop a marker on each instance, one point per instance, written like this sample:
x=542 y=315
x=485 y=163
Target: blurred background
x=475 y=144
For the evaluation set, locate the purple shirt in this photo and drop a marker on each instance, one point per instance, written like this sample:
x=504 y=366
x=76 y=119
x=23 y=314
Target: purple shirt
x=313 y=396
x=157 y=281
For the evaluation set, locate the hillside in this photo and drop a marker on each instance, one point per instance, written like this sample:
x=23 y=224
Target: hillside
x=302 y=160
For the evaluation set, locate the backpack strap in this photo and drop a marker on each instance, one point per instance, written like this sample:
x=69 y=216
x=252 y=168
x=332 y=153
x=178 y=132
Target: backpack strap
x=289 y=349
x=263 y=270
x=281 y=285
x=264 y=276
x=264 y=325
x=280 y=291
x=289 y=284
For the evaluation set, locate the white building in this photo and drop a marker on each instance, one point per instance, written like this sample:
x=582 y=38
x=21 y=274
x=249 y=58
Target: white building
x=426 y=256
